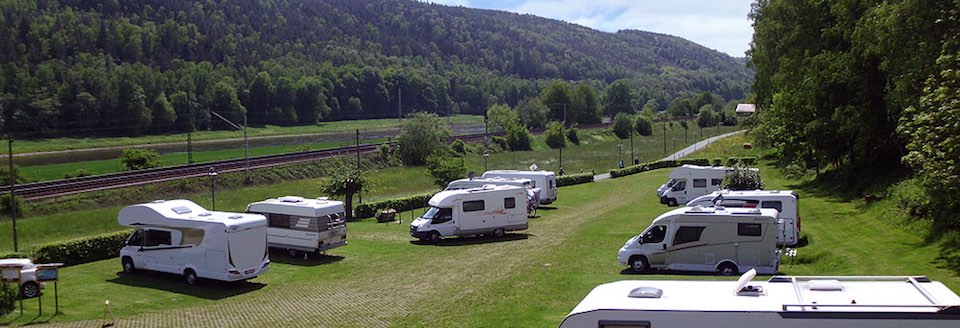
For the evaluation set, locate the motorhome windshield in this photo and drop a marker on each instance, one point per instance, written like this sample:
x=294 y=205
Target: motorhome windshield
x=671 y=183
x=438 y=215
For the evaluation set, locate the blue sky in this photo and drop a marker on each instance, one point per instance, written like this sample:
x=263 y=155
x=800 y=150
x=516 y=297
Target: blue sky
x=718 y=24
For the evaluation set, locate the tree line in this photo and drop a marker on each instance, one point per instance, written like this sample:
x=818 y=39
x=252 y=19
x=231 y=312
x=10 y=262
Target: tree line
x=98 y=68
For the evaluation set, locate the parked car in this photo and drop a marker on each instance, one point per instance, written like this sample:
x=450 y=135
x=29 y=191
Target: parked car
x=29 y=287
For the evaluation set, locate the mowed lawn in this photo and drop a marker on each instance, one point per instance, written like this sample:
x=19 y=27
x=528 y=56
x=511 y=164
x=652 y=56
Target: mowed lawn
x=526 y=279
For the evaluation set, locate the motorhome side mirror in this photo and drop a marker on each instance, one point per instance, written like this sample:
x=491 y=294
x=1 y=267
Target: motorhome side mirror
x=140 y=249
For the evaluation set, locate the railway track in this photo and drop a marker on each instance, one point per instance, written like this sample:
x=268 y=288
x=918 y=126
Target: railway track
x=50 y=189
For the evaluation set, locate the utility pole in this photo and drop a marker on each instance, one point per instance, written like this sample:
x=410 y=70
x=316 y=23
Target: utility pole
x=664 y=137
x=399 y=110
x=359 y=194
x=246 y=159
x=13 y=192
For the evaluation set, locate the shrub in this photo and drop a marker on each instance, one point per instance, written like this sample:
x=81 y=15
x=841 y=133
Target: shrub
x=634 y=169
x=459 y=147
x=422 y=136
x=572 y=179
x=518 y=138
x=716 y=162
x=500 y=142
x=622 y=125
x=911 y=196
x=445 y=169
x=643 y=126
x=132 y=159
x=6 y=208
x=370 y=210
x=83 y=250
x=742 y=178
x=554 y=135
x=573 y=134
x=7 y=296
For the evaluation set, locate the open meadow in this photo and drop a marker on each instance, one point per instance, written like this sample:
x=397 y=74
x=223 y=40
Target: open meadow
x=531 y=278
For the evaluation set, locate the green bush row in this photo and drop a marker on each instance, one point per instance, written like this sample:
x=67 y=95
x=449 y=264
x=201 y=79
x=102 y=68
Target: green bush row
x=572 y=179
x=634 y=169
x=369 y=210
x=82 y=250
x=7 y=296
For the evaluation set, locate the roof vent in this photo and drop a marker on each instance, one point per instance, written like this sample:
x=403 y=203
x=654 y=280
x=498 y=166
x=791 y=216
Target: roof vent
x=180 y=209
x=323 y=198
x=204 y=214
x=825 y=285
x=699 y=209
x=158 y=201
x=645 y=292
x=291 y=199
x=234 y=217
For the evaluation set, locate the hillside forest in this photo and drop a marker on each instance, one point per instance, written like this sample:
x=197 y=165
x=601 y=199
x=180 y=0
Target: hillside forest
x=125 y=68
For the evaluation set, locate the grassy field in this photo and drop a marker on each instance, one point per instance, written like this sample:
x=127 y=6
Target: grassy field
x=29 y=146
x=527 y=279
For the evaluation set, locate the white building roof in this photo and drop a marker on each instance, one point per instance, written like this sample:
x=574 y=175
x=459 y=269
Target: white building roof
x=299 y=206
x=746 y=108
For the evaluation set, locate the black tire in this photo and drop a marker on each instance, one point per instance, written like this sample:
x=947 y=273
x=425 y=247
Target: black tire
x=727 y=269
x=29 y=289
x=498 y=232
x=191 y=277
x=671 y=202
x=293 y=253
x=639 y=263
x=128 y=266
x=433 y=237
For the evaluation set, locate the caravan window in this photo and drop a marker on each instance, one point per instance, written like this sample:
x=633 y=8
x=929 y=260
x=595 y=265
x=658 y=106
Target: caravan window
x=509 y=202
x=191 y=236
x=278 y=220
x=308 y=224
x=553 y=184
x=156 y=238
x=716 y=182
x=699 y=183
x=687 y=234
x=473 y=206
x=773 y=204
x=749 y=229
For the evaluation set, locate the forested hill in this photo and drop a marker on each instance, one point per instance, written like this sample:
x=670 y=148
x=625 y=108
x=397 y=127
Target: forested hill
x=131 y=67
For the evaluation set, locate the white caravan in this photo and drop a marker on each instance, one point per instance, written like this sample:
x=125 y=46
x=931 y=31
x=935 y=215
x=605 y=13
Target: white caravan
x=709 y=239
x=478 y=211
x=299 y=224
x=545 y=180
x=180 y=237
x=690 y=181
x=784 y=201
x=27 y=276
x=782 y=301
x=533 y=194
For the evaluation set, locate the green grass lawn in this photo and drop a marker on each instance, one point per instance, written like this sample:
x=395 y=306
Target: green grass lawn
x=529 y=279
x=29 y=146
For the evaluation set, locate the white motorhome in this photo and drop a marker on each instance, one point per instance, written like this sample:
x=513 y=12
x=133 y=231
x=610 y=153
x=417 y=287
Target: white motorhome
x=477 y=211
x=709 y=239
x=299 y=224
x=545 y=180
x=690 y=181
x=781 y=301
x=533 y=193
x=180 y=237
x=784 y=201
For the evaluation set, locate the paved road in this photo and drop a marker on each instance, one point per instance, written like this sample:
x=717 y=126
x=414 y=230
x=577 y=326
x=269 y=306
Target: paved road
x=683 y=152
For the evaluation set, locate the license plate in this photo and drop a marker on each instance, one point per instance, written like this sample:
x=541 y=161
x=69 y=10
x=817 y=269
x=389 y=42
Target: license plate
x=249 y=271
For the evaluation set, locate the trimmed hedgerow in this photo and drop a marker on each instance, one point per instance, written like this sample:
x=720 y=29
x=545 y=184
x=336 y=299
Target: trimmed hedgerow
x=82 y=250
x=369 y=210
x=634 y=169
x=572 y=179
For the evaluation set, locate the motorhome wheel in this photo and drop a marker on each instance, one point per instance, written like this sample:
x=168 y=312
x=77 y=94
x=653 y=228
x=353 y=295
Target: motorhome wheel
x=128 y=266
x=671 y=202
x=433 y=237
x=29 y=289
x=728 y=269
x=498 y=232
x=191 y=277
x=639 y=263
x=293 y=253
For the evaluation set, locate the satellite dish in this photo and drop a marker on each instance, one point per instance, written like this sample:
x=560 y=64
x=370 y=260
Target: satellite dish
x=471 y=175
x=533 y=167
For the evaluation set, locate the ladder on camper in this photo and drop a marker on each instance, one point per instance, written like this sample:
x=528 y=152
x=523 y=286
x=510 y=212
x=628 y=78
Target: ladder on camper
x=827 y=285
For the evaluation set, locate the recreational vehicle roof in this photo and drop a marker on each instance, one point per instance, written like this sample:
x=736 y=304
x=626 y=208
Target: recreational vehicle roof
x=710 y=211
x=540 y=172
x=184 y=213
x=298 y=206
x=779 y=294
x=448 y=198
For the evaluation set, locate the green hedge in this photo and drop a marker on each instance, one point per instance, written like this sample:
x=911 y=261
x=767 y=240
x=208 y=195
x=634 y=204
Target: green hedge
x=572 y=179
x=7 y=296
x=634 y=169
x=83 y=250
x=370 y=210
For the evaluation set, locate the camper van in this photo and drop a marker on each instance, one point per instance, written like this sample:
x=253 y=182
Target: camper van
x=533 y=194
x=299 y=224
x=477 y=211
x=784 y=201
x=781 y=301
x=545 y=180
x=710 y=239
x=180 y=237
x=691 y=181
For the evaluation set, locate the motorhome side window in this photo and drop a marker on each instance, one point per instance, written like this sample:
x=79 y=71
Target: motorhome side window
x=278 y=220
x=509 y=202
x=156 y=238
x=716 y=182
x=699 y=183
x=680 y=185
x=687 y=234
x=749 y=229
x=655 y=234
x=473 y=206
x=136 y=239
x=773 y=204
